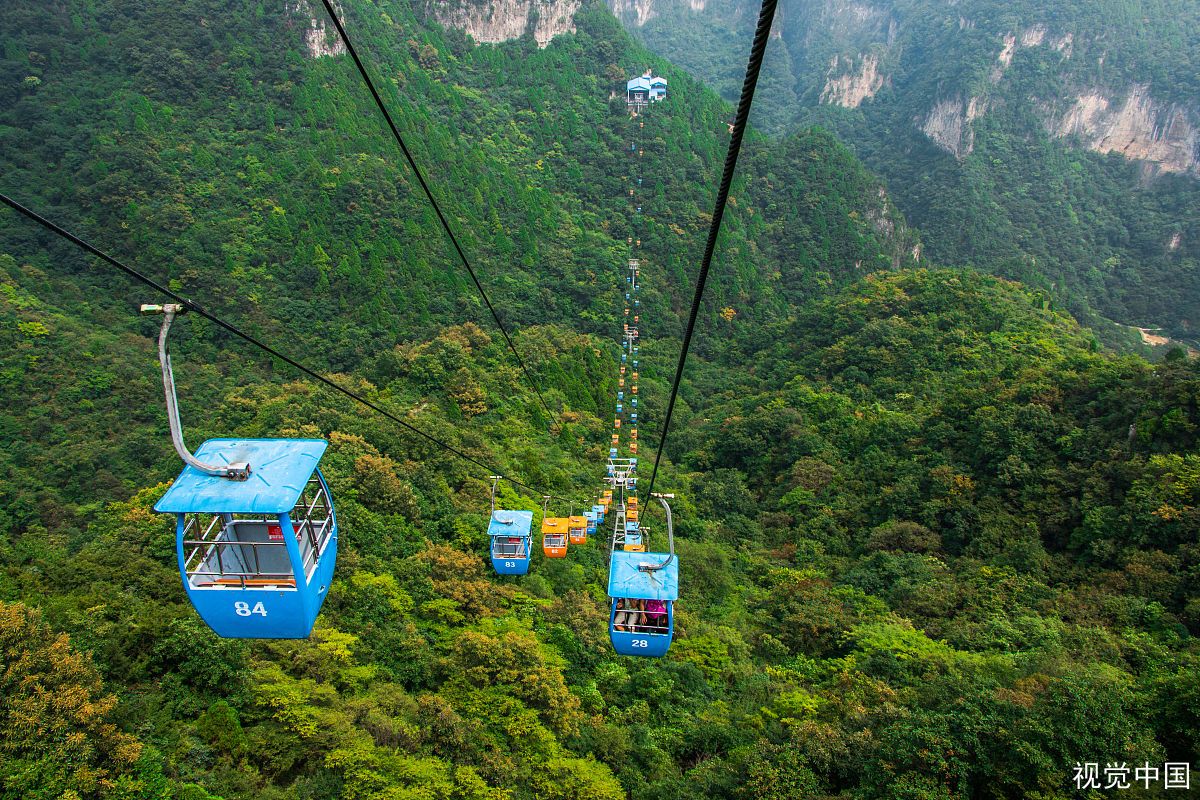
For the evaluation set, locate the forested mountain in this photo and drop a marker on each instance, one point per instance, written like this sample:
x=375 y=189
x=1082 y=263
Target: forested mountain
x=935 y=541
x=1057 y=143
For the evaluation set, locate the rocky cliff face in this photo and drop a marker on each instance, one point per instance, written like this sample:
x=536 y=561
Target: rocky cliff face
x=1138 y=128
x=849 y=85
x=948 y=124
x=491 y=21
x=319 y=41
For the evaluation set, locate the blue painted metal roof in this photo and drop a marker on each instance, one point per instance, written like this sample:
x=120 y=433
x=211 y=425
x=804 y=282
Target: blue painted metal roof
x=279 y=470
x=638 y=83
x=510 y=523
x=626 y=580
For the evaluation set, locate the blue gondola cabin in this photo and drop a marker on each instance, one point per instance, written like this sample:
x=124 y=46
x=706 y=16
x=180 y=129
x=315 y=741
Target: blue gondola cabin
x=508 y=532
x=256 y=556
x=641 y=619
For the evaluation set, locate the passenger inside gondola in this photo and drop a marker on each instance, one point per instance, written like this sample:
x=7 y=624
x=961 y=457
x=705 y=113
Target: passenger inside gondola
x=656 y=615
x=629 y=614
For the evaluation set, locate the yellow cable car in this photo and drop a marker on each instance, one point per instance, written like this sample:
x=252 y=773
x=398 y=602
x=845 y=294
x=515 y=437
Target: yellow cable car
x=577 y=529
x=633 y=448
x=554 y=537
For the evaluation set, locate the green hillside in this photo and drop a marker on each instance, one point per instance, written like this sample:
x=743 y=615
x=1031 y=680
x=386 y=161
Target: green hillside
x=998 y=128
x=934 y=542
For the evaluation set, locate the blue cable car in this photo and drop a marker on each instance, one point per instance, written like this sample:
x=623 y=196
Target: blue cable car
x=618 y=408
x=633 y=417
x=637 y=581
x=622 y=358
x=612 y=452
x=509 y=537
x=255 y=532
x=633 y=402
x=643 y=588
x=620 y=395
x=256 y=555
x=591 y=518
x=508 y=532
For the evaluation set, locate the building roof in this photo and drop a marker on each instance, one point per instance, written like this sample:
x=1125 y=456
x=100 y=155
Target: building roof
x=639 y=83
x=279 y=471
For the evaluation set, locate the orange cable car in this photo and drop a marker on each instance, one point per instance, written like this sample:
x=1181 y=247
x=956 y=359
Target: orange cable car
x=554 y=537
x=577 y=529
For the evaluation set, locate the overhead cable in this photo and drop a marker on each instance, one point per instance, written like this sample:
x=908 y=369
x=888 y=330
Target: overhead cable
x=362 y=70
x=195 y=307
x=766 y=16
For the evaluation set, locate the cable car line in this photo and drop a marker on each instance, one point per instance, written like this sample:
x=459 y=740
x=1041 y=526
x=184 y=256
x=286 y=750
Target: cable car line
x=192 y=305
x=758 y=49
x=362 y=70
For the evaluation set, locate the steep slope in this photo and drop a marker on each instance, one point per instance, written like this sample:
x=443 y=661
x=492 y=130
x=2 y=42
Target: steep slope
x=1054 y=144
x=920 y=546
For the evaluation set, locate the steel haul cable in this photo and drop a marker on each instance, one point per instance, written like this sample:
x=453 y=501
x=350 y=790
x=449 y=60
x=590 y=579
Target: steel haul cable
x=362 y=70
x=766 y=16
x=191 y=305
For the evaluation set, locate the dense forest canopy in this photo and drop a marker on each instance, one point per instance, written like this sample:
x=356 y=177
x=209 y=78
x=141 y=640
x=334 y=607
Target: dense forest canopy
x=936 y=540
x=1048 y=142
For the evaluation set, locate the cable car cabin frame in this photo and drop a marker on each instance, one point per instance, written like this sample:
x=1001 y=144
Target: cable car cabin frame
x=509 y=541
x=555 y=537
x=642 y=576
x=245 y=576
x=577 y=529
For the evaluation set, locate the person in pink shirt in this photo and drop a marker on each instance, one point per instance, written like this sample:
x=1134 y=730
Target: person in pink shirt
x=656 y=613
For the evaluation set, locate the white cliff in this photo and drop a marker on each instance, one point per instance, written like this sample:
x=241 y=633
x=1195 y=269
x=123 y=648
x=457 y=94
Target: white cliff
x=848 y=87
x=491 y=21
x=639 y=12
x=1138 y=127
x=319 y=40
